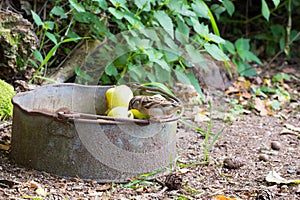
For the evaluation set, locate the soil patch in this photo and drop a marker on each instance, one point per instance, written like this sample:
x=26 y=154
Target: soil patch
x=239 y=162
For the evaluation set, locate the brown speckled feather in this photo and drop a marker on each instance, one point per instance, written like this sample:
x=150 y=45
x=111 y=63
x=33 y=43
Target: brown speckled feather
x=154 y=106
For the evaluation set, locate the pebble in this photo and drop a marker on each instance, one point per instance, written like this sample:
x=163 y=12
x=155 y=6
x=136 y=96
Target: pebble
x=263 y=157
x=275 y=145
x=230 y=163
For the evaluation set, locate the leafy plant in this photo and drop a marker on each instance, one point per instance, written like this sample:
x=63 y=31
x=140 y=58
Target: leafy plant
x=210 y=138
x=7 y=93
x=242 y=56
x=182 y=23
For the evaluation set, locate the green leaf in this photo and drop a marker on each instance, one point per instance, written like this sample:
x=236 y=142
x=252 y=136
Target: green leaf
x=201 y=29
x=200 y=9
x=161 y=74
x=242 y=44
x=276 y=3
x=251 y=57
x=84 y=17
x=181 y=76
x=111 y=70
x=119 y=3
x=82 y=74
x=133 y=20
x=47 y=79
x=151 y=77
x=194 y=55
x=244 y=69
x=143 y=5
x=267 y=89
x=170 y=56
x=136 y=72
x=157 y=57
x=165 y=21
x=282 y=43
x=215 y=38
x=195 y=83
x=77 y=6
x=74 y=39
x=182 y=31
x=181 y=8
x=116 y=13
x=102 y=4
x=215 y=52
x=229 y=6
x=230 y=47
x=72 y=34
x=150 y=33
x=59 y=11
x=51 y=37
x=265 y=10
x=280 y=77
x=160 y=86
x=278 y=31
x=49 y=55
x=48 y=25
x=166 y=39
x=38 y=56
x=217 y=9
x=37 y=19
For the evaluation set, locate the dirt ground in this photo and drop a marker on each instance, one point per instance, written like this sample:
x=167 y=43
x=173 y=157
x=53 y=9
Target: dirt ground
x=240 y=160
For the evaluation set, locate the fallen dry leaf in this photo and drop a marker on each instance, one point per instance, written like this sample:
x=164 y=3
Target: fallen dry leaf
x=260 y=106
x=199 y=117
x=103 y=187
x=33 y=184
x=220 y=197
x=246 y=84
x=246 y=95
x=231 y=90
x=274 y=177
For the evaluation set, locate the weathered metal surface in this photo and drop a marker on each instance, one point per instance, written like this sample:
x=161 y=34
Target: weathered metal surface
x=85 y=147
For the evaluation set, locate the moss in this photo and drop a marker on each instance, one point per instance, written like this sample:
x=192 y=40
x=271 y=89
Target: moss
x=6 y=94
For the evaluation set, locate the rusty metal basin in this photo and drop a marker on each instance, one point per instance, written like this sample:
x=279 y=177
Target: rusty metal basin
x=61 y=129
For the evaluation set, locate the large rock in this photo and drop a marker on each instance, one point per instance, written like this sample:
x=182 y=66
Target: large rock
x=17 y=43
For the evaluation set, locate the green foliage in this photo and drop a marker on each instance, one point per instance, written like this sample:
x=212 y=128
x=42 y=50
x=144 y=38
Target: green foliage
x=162 y=32
x=7 y=93
x=242 y=56
x=186 y=23
x=186 y=26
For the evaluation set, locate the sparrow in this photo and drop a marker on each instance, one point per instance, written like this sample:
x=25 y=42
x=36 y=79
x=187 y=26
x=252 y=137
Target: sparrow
x=156 y=106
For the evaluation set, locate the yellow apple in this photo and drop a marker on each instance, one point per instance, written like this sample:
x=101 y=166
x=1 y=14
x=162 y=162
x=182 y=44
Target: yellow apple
x=109 y=95
x=120 y=112
x=118 y=96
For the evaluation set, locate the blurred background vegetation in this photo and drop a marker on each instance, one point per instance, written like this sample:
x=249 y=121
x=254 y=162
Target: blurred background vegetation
x=247 y=33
